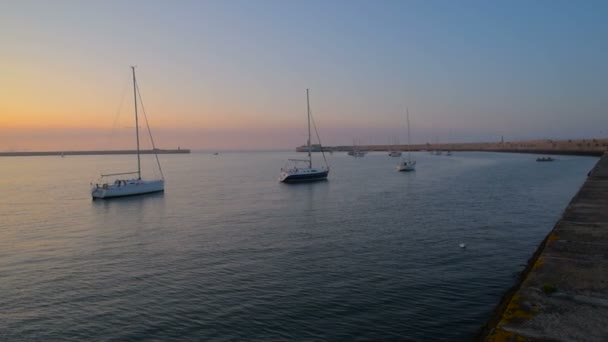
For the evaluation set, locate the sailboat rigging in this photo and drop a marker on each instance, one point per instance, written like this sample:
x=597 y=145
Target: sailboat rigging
x=394 y=152
x=409 y=164
x=356 y=151
x=298 y=173
x=133 y=186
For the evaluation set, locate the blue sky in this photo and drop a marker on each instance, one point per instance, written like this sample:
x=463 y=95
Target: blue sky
x=222 y=74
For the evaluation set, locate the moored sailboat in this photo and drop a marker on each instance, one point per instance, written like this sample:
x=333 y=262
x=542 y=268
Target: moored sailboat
x=356 y=151
x=409 y=164
x=394 y=152
x=131 y=186
x=302 y=170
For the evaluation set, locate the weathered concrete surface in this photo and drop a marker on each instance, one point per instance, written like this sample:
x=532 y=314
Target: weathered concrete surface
x=563 y=295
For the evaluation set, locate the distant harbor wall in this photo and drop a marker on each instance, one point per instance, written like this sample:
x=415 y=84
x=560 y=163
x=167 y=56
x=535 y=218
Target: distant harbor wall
x=587 y=147
x=89 y=153
x=562 y=295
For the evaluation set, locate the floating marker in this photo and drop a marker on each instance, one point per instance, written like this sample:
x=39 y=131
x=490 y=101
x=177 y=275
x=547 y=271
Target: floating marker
x=462 y=245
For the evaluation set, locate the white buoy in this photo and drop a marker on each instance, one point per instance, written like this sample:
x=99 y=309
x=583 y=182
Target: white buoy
x=462 y=245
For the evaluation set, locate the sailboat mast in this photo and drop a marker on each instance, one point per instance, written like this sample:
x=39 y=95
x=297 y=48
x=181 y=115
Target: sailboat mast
x=309 y=146
x=409 y=150
x=136 y=123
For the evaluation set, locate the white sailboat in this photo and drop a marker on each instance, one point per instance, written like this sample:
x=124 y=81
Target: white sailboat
x=394 y=152
x=302 y=170
x=131 y=186
x=356 y=151
x=409 y=164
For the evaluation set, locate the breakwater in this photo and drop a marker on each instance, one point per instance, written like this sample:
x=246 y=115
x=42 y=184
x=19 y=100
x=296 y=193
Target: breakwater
x=583 y=147
x=87 y=153
x=562 y=295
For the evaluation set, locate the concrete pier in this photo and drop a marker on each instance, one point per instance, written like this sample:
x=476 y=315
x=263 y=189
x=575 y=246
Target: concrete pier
x=582 y=147
x=563 y=293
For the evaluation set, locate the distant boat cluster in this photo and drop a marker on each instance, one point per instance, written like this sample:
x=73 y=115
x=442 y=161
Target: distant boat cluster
x=306 y=172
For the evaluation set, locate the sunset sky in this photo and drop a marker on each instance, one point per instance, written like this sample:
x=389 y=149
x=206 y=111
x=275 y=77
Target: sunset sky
x=233 y=74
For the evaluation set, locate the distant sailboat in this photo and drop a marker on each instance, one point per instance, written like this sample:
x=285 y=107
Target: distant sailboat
x=356 y=151
x=298 y=173
x=409 y=164
x=132 y=186
x=394 y=152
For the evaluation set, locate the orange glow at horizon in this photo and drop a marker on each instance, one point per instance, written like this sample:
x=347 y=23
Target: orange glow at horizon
x=58 y=99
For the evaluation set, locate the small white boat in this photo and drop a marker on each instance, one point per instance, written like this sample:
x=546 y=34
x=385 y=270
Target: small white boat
x=302 y=170
x=131 y=186
x=394 y=154
x=406 y=166
x=409 y=164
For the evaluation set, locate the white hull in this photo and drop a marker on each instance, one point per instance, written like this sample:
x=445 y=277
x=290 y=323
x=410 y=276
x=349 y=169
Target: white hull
x=395 y=154
x=130 y=187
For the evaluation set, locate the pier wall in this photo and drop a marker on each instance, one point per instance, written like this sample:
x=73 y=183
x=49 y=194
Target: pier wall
x=587 y=147
x=562 y=295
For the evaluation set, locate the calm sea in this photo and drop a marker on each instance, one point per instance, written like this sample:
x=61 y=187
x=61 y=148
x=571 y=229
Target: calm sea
x=228 y=253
